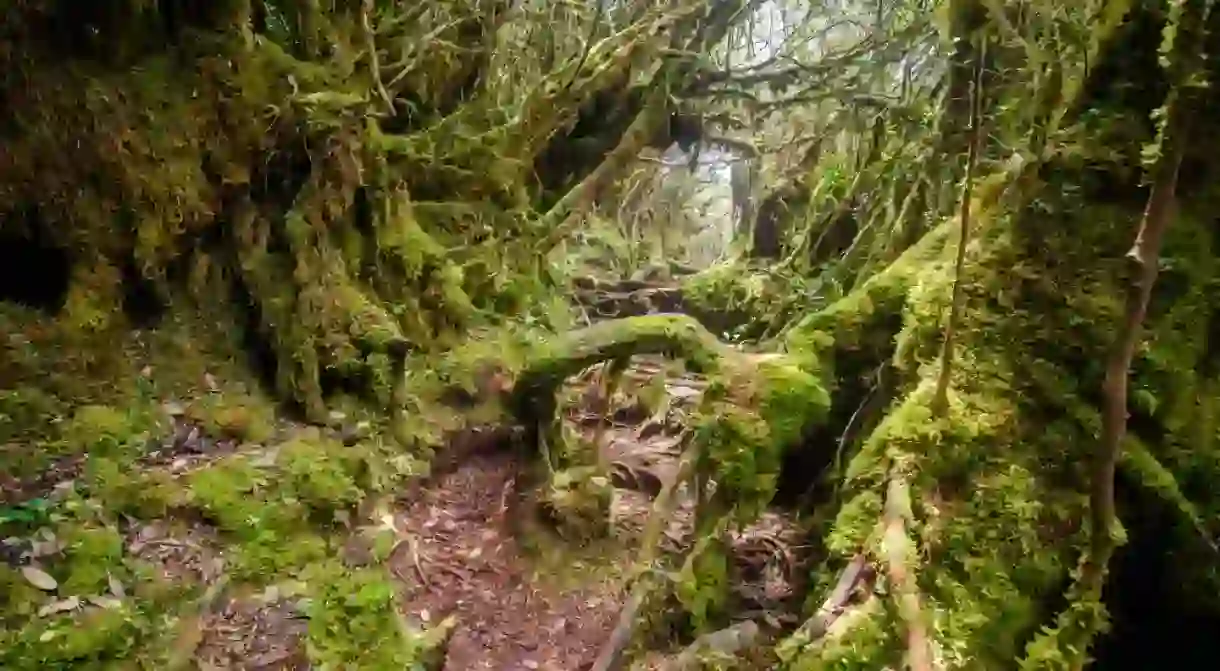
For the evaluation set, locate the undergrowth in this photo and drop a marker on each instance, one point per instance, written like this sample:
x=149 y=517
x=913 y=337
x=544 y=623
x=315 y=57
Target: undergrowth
x=280 y=505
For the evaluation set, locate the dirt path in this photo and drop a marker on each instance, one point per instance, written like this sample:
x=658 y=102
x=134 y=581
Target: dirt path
x=472 y=567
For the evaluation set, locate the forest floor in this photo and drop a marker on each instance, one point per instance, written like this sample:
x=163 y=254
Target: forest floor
x=468 y=551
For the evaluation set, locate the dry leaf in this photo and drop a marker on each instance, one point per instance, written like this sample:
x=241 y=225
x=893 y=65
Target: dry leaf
x=116 y=587
x=107 y=602
x=39 y=578
x=59 y=606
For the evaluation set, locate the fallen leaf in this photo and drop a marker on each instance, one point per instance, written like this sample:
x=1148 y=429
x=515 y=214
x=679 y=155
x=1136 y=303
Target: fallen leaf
x=39 y=578
x=107 y=602
x=116 y=587
x=59 y=606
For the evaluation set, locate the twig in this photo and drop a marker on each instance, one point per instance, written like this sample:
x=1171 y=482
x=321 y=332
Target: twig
x=1143 y=261
x=406 y=539
x=584 y=55
x=374 y=63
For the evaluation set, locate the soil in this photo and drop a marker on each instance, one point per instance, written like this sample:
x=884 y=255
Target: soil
x=466 y=562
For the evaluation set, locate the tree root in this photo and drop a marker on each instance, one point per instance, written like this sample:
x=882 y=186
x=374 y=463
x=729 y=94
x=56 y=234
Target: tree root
x=611 y=655
x=902 y=575
x=856 y=574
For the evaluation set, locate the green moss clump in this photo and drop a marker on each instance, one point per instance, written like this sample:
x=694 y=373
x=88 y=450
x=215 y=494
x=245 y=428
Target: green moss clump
x=749 y=416
x=91 y=555
x=104 y=631
x=97 y=639
x=109 y=432
x=235 y=416
x=232 y=493
x=321 y=473
x=354 y=622
x=278 y=514
x=141 y=493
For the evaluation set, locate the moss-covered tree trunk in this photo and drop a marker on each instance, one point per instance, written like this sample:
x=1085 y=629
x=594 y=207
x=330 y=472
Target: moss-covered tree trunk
x=345 y=183
x=999 y=485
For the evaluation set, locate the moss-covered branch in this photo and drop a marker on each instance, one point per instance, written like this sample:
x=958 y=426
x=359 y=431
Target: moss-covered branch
x=533 y=396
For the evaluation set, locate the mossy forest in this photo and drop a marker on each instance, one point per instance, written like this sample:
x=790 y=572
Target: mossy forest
x=610 y=334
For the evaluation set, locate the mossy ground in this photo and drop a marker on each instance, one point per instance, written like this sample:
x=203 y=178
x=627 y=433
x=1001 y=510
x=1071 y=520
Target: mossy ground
x=280 y=499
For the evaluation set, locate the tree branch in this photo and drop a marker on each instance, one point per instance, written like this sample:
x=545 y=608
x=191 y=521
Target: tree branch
x=940 y=399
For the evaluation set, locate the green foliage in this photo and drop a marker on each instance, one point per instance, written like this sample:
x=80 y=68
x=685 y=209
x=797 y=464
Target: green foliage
x=92 y=554
x=868 y=643
x=320 y=473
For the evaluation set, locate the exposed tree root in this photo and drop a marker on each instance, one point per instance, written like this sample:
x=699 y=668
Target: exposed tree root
x=900 y=569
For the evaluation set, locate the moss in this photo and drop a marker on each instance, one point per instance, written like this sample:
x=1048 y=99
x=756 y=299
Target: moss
x=353 y=621
x=96 y=639
x=18 y=598
x=578 y=498
x=279 y=517
x=750 y=414
x=143 y=494
x=865 y=645
x=320 y=473
x=704 y=581
x=101 y=633
x=1002 y=475
x=91 y=554
x=228 y=492
x=271 y=553
x=105 y=431
x=236 y=416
